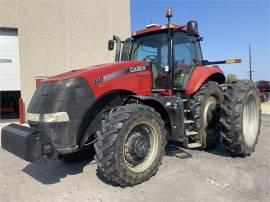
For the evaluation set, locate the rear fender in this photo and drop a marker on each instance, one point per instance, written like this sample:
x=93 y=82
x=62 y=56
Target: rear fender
x=202 y=74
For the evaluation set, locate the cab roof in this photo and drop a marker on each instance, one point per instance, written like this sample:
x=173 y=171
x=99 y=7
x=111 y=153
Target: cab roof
x=156 y=28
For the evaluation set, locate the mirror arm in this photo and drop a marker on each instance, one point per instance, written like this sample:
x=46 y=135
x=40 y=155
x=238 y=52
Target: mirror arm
x=118 y=48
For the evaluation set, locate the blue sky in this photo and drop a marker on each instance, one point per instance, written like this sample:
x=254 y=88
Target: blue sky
x=227 y=28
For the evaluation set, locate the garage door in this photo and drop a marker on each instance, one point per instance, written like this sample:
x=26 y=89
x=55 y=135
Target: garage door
x=9 y=60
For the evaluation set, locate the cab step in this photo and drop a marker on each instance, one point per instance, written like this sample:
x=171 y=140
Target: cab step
x=190 y=133
x=194 y=145
x=188 y=121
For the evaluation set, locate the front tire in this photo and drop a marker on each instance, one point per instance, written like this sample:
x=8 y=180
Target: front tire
x=241 y=118
x=130 y=145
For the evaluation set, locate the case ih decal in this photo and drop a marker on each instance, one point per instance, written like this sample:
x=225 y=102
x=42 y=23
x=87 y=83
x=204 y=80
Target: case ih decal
x=119 y=73
x=137 y=69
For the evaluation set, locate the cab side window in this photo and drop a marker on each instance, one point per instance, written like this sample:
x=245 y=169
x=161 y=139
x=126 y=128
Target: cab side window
x=184 y=55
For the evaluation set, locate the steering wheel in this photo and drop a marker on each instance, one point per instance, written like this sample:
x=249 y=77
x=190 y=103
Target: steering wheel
x=150 y=57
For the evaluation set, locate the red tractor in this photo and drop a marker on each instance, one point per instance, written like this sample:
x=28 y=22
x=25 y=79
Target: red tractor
x=159 y=88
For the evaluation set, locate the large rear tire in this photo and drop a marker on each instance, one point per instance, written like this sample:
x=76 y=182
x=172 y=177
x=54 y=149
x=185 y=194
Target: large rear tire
x=241 y=118
x=205 y=108
x=130 y=145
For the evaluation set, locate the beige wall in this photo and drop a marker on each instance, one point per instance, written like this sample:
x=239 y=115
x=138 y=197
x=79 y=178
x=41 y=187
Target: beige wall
x=8 y=13
x=61 y=35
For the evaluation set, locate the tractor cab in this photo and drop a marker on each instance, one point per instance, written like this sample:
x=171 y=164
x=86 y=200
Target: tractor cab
x=174 y=52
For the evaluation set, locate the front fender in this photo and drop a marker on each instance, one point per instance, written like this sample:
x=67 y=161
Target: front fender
x=201 y=74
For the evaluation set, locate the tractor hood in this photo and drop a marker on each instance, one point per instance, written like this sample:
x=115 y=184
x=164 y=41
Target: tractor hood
x=97 y=71
x=132 y=76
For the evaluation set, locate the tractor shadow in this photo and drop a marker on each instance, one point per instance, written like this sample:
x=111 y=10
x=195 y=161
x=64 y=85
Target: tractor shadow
x=54 y=170
x=219 y=150
x=175 y=149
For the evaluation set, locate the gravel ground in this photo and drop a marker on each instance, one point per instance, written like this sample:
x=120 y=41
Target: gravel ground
x=192 y=176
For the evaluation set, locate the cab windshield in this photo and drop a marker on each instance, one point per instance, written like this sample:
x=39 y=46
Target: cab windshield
x=153 y=48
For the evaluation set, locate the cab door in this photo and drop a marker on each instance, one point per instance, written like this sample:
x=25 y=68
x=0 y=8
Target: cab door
x=186 y=56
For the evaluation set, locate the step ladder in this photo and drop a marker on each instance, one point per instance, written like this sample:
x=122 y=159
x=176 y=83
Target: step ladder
x=190 y=136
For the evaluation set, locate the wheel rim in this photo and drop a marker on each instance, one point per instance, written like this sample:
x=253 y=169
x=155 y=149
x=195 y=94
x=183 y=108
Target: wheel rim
x=250 y=119
x=210 y=114
x=141 y=147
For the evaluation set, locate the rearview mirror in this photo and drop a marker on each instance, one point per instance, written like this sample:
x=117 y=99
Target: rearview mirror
x=110 y=44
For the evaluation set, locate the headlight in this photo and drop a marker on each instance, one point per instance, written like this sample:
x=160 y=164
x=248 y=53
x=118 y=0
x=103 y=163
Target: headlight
x=33 y=117
x=48 y=118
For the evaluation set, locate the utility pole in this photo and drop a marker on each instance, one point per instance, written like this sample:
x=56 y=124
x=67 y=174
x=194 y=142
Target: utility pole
x=250 y=65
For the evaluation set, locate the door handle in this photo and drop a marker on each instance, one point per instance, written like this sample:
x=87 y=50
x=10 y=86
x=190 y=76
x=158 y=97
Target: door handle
x=5 y=60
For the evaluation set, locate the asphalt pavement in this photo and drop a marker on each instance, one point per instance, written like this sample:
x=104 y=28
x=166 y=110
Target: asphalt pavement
x=185 y=175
